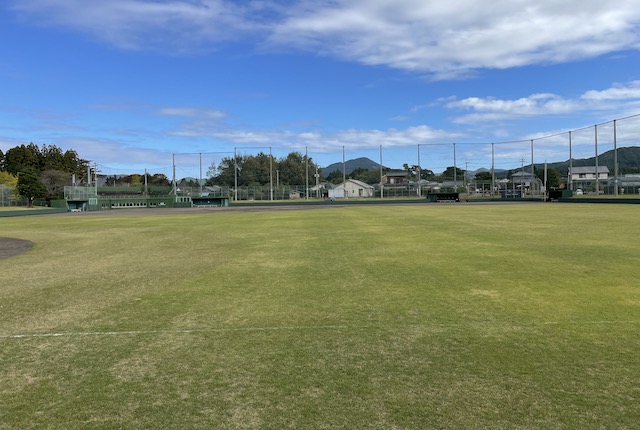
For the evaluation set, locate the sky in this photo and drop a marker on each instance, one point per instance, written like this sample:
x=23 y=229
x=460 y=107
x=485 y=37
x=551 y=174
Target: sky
x=146 y=84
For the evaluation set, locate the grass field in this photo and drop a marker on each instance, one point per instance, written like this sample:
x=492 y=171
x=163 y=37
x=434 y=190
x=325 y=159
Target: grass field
x=406 y=317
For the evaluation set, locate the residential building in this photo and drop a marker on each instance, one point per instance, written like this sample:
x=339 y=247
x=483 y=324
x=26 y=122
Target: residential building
x=588 y=173
x=351 y=188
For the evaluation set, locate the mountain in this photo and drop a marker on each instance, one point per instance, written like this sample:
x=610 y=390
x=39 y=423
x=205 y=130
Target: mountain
x=351 y=165
x=628 y=160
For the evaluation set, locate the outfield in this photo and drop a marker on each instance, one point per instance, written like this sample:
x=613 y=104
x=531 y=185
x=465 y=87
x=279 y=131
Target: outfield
x=424 y=316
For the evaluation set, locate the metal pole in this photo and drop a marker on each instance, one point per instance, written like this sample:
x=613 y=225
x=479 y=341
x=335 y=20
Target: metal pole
x=522 y=177
x=344 y=175
x=270 y=174
x=597 y=178
x=545 y=181
x=493 y=170
x=570 y=165
x=306 y=169
x=235 y=174
x=419 y=174
x=464 y=178
x=615 y=160
x=200 y=173
x=381 y=185
x=533 y=174
x=455 y=175
x=174 y=175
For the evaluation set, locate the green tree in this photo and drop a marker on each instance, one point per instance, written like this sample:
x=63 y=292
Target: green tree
x=335 y=177
x=292 y=169
x=8 y=179
x=22 y=158
x=553 y=176
x=30 y=186
x=483 y=176
x=223 y=173
x=73 y=163
x=366 y=175
x=448 y=174
x=158 y=180
x=52 y=158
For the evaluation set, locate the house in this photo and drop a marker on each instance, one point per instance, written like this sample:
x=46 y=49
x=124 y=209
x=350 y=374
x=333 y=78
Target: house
x=351 y=188
x=588 y=173
x=526 y=179
x=396 y=179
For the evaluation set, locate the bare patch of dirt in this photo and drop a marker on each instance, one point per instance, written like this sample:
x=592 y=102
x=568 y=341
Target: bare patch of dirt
x=10 y=247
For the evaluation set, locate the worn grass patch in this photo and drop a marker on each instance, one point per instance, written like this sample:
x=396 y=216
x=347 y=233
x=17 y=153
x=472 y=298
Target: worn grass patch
x=445 y=316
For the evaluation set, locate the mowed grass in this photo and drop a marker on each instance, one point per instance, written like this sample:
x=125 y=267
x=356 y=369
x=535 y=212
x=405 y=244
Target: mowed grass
x=407 y=317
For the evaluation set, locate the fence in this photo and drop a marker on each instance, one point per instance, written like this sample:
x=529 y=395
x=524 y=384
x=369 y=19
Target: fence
x=604 y=147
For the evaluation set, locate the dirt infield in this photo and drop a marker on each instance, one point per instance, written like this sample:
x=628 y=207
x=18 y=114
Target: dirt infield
x=10 y=247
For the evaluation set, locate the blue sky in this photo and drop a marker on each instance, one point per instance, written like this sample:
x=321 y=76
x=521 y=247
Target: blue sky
x=129 y=83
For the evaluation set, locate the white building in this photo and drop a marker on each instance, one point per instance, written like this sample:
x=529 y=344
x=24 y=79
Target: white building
x=588 y=173
x=351 y=188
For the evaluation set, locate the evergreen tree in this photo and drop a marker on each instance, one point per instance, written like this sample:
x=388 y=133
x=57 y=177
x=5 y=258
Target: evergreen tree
x=30 y=186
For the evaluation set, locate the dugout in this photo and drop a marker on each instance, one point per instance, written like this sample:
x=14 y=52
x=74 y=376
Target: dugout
x=210 y=201
x=555 y=195
x=443 y=197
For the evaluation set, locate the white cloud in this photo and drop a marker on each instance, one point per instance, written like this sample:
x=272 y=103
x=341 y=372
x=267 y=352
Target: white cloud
x=172 y=26
x=616 y=92
x=192 y=112
x=615 y=99
x=108 y=151
x=328 y=142
x=450 y=38
x=444 y=39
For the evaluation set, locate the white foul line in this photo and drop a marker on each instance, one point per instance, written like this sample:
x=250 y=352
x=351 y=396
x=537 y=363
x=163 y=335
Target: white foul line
x=276 y=328
x=178 y=331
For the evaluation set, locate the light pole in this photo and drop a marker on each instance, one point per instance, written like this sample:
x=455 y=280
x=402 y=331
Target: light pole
x=419 y=174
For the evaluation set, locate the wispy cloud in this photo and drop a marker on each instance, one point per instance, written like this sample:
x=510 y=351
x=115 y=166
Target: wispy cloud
x=328 y=142
x=170 y=26
x=190 y=112
x=615 y=99
x=443 y=39
x=451 y=38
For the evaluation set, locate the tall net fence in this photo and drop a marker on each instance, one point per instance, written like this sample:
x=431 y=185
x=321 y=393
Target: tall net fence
x=592 y=160
x=7 y=195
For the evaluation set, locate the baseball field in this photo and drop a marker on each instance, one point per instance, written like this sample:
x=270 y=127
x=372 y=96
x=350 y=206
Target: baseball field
x=381 y=317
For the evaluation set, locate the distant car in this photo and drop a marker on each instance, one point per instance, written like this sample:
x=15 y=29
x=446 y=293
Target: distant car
x=579 y=192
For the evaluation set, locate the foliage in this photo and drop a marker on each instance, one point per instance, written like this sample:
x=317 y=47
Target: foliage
x=365 y=175
x=335 y=177
x=261 y=169
x=53 y=167
x=553 y=176
x=484 y=176
x=30 y=186
x=451 y=172
x=8 y=179
x=55 y=181
x=48 y=157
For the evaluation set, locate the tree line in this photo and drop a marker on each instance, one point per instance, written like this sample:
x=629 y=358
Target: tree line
x=40 y=172
x=261 y=169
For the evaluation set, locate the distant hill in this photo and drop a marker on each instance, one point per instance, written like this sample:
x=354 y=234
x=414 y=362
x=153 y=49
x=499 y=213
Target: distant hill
x=351 y=165
x=628 y=160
